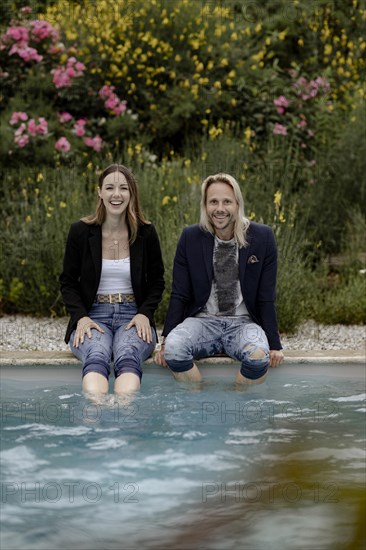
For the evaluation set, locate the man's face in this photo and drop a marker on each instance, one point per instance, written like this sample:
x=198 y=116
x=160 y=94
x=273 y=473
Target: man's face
x=222 y=209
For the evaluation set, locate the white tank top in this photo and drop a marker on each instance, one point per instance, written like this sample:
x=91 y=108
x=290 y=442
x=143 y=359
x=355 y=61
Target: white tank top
x=115 y=277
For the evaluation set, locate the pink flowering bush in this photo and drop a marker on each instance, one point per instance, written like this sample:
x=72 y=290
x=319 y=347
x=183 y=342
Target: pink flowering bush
x=53 y=107
x=297 y=110
x=63 y=76
x=28 y=128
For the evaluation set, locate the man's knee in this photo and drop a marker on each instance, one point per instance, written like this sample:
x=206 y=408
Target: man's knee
x=255 y=362
x=177 y=345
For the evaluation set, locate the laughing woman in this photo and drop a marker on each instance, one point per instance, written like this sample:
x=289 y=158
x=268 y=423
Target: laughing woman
x=111 y=284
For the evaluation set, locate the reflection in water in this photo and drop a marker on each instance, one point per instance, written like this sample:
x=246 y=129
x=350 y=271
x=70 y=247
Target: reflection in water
x=278 y=466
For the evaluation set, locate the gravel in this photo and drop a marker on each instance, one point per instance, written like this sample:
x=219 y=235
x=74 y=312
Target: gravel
x=22 y=333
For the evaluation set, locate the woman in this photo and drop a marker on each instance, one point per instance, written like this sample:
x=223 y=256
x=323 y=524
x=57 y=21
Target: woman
x=111 y=284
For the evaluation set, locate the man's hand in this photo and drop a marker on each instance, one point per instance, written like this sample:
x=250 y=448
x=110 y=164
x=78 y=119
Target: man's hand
x=275 y=357
x=159 y=355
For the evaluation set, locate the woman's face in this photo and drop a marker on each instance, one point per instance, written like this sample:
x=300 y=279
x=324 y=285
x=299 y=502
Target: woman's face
x=115 y=194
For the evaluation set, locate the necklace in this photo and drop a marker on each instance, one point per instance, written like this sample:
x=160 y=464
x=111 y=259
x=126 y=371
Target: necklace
x=116 y=242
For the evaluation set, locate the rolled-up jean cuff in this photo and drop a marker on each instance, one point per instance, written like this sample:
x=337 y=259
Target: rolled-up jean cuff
x=96 y=368
x=128 y=367
x=179 y=366
x=254 y=372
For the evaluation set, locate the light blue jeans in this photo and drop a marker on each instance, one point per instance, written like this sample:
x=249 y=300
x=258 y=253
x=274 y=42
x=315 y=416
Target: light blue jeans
x=199 y=337
x=124 y=347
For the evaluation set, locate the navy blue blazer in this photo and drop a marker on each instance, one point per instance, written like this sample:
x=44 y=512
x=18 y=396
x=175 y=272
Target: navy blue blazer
x=193 y=275
x=82 y=269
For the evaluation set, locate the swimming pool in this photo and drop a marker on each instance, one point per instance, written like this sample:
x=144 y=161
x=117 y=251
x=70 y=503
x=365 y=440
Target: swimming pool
x=280 y=465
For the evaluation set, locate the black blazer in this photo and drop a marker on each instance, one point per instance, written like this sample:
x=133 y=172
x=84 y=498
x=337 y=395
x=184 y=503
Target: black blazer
x=193 y=275
x=82 y=268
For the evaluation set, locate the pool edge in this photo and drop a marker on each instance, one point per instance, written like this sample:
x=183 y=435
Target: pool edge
x=58 y=358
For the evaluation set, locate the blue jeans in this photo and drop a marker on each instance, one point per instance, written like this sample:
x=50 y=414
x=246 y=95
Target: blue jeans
x=237 y=337
x=124 y=347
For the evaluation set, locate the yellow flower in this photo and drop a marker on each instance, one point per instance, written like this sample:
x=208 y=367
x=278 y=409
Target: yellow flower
x=328 y=49
x=62 y=204
x=300 y=42
x=247 y=134
x=252 y=216
x=28 y=218
x=277 y=198
x=214 y=132
x=165 y=200
x=39 y=177
x=282 y=217
x=282 y=35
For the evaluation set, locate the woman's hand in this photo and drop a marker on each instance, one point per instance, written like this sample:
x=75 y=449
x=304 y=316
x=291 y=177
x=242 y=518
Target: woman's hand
x=84 y=326
x=143 y=328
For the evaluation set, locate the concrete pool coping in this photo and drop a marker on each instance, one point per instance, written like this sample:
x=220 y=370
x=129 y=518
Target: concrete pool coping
x=61 y=358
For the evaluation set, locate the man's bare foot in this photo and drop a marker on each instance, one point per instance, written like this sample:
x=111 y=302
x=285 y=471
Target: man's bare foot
x=240 y=379
x=191 y=375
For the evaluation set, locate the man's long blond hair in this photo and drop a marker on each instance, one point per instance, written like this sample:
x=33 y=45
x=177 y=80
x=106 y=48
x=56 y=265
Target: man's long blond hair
x=241 y=224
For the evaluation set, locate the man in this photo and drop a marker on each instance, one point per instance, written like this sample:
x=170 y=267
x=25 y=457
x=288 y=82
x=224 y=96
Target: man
x=223 y=292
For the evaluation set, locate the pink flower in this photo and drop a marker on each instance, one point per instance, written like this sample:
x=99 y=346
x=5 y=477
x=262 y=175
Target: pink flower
x=111 y=102
x=302 y=124
x=281 y=104
x=63 y=145
x=17 y=116
x=63 y=75
x=32 y=127
x=281 y=101
x=279 y=130
x=42 y=30
x=26 y=9
x=79 y=127
x=95 y=143
x=80 y=67
x=26 y=53
x=21 y=141
x=42 y=126
x=70 y=72
x=60 y=78
x=106 y=91
x=64 y=117
x=19 y=131
x=120 y=108
x=18 y=34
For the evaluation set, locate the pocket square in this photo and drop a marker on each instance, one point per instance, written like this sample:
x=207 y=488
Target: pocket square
x=252 y=259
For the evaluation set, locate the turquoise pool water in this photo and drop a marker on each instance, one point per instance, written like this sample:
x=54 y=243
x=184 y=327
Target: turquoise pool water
x=278 y=466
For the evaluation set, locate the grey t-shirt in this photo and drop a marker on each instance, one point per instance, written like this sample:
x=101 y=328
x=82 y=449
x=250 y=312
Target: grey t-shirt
x=226 y=298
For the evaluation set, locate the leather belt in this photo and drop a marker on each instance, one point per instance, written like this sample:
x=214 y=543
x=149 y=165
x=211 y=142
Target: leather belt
x=114 y=298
